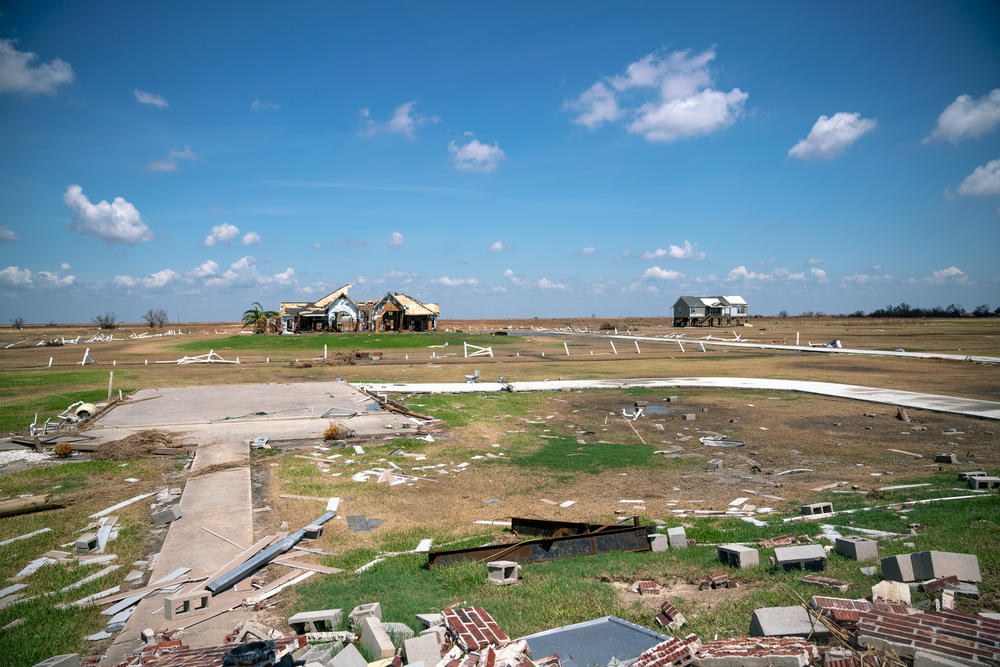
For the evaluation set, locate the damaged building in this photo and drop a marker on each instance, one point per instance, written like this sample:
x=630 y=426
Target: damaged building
x=338 y=312
x=710 y=311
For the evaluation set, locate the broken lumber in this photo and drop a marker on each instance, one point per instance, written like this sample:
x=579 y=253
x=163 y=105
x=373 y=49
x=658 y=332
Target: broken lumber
x=17 y=506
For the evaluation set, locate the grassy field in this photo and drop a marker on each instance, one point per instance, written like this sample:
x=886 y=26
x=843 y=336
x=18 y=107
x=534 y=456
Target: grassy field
x=345 y=341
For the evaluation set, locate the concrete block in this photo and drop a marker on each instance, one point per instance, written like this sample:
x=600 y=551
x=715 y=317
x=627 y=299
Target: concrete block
x=891 y=591
x=350 y=656
x=313 y=532
x=857 y=548
x=429 y=620
x=946 y=458
x=363 y=610
x=166 y=514
x=816 y=508
x=65 y=660
x=795 y=621
x=802 y=557
x=737 y=555
x=670 y=399
x=86 y=543
x=326 y=620
x=984 y=482
x=937 y=564
x=439 y=631
x=502 y=572
x=964 y=476
x=898 y=568
x=375 y=639
x=714 y=464
x=398 y=631
x=424 y=648
x=678 y=538
x=659 y=542
x=688 y=416
x=922 y=659
x=186 y=604
x=321 y=653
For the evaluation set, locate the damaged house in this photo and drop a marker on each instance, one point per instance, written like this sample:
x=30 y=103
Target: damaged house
x=338 y=312
x=708 y=311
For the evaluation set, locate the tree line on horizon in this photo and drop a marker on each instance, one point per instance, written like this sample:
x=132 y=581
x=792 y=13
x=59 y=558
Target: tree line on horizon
x=906 y=310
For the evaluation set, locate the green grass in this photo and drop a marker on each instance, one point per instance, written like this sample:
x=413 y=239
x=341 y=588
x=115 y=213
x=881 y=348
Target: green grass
x=346 y=341
x=14 y=416
x=564 y=454
x=14 y=383
x=456 y=410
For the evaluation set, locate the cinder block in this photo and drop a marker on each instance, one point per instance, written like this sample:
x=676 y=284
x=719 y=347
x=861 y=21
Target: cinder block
x=670 y=399
x=714 y=464
x=898 y=568
x=937 y=564
x=857 y=548
x=946 y=458
x=439 y=631
x=802 y=557
x=688 y=416
x=375 y=639
x=65 y=660
x=737 y=555
x=325 y=620
x=186 y=604
x=86 y=543
x=429 y=620
x=313 y=532
x=166 y=514
x=965 y=475
x=397 y=631
x=678 y=538
x=816 y=508
x=658 y=542
x=502 y=572
x=922 y=659
x=984 y=482
x=425 y=647
x=364 y=610
x=350 y=656
x=795 y=621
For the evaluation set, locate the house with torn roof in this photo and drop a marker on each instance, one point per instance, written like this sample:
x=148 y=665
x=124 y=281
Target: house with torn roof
x=338 y=312
x=708 y=311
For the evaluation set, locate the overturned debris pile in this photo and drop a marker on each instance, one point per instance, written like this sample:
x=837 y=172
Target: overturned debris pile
x=138 y=445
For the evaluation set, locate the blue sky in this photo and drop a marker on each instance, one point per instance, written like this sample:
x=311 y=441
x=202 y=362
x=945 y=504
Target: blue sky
x=507 y=160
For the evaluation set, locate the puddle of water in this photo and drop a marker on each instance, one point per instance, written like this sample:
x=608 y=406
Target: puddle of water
x=657 y=410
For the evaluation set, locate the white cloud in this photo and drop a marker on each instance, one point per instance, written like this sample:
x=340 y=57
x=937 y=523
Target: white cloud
x=683 y=102
x=662 y=274
x=624 y=254
x=983 y=181
x=65 y=266
x=244 y=272
x=404 y=121
x=125 y=282
x=455 y=282
x=768 y=261
x=831 y=136
x=142 y=97
x=251 y=238
x=545 y=283
x=160 y=279
x=316 y=246
x=862 y=278
x=18 y=74
x=476 y=156
x=815 y=260
x=818 y=274
x=509 y=273
x=687 y=251
x=741 y=273
x=784 y=273
x=169 y=163
x=497 y=246
x=589 y=250
x=117 y=223
x=204 y=270
x=8 y=234
x=395 y=240
x=966 y=118
x=222 y=234
x=15 y=276
x=261 y=105
x=950 y=275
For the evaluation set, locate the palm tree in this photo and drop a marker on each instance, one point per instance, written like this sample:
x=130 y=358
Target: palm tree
x=259 y=318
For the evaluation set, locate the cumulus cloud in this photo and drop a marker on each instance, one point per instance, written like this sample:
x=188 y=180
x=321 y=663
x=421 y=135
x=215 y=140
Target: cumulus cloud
x=251 y=238
x=222 y=234
x=395 y=240
x=169 y=163
x=788 y=275
x=160 y=279
x=589 y=250
x=261 y=105
x=831 y=136
x=497 y=246
x=741 y=273
x=686 y=251
x=15 y=276
x=662 y=274
x=983 y=181
x=455 y=282
x=124 y=282
x=8 y=234
x=818 y=274
x=206 y=269
x=244 y=273
x=863 y=278
x=475 y=155
x=404 y=121
x=116 y=223
x=666 y=96
x=142 y=97
x=967 y=118
x=950 y=275
x=815 y=261
x=20 y=74
x=547 y=284
x=511 y=276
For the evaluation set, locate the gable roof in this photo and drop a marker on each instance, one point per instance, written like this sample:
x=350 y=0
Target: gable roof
x=331 y=297
x=734 y=300
x=413 y=307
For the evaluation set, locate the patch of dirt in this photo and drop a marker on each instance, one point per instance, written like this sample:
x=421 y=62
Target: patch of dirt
x=696 y=600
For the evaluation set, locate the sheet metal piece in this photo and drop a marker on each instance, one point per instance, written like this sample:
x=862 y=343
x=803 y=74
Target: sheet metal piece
x=595 y=642
x=549 y=528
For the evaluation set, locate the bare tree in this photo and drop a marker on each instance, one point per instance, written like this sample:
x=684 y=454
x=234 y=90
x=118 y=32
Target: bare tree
x=155 y=317
x=17 y=322
x=105 y=321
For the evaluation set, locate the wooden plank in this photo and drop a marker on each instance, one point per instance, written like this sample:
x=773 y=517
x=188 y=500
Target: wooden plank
x=17 y=506
x=309 y=567
x=145 y=589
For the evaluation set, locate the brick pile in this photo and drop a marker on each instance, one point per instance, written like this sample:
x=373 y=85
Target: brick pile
x=964 y=638
x=647 y=587
x=669 y=616
x=848 y=612
x=513 y=654
x=173 y=653
x=473 y=628
x=758 y=650
x=672 y=653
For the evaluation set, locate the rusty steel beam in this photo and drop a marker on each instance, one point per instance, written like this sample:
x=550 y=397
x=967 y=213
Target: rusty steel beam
x=550 y=528
x=616 y=538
